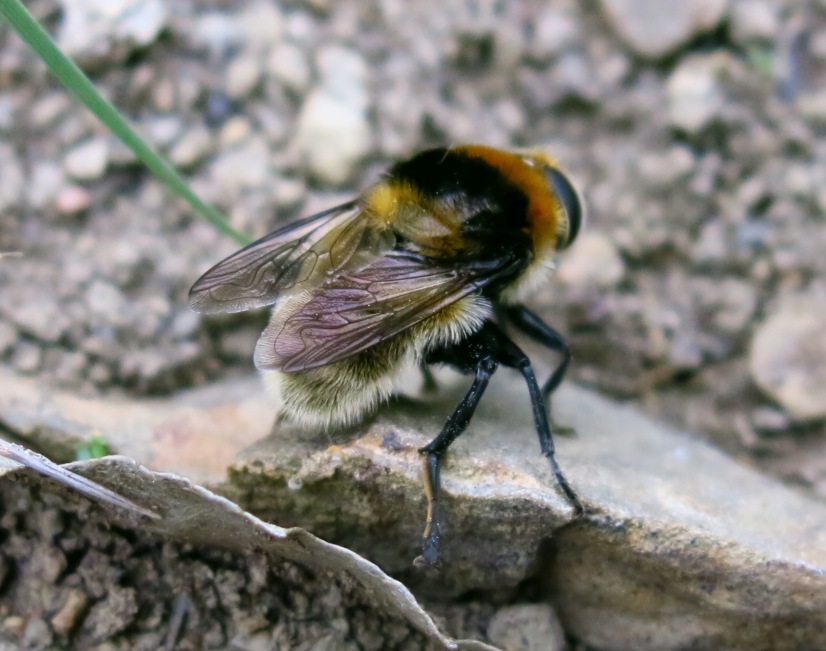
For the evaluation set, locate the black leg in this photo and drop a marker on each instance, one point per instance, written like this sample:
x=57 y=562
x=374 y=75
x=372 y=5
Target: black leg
x=455 y=426
x=532 y=325
x=429 y=384
x=480 y=354
x=509 y=354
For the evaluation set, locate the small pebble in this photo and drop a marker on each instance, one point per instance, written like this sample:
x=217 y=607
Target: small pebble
x=754 y=20
x=72 y=199
x=68 y=616
x=527 y=627
x=592 y=260
x=788 y=357
x=695 y=97
x=653 y=28
x=88 y=160
x=333 y=131
x=289 y=67
x=243 y=75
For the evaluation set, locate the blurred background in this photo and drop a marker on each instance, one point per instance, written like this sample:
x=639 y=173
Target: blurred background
x=696 y=131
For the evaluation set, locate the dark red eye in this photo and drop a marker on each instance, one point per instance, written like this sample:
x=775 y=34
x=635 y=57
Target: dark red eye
x=569 y=198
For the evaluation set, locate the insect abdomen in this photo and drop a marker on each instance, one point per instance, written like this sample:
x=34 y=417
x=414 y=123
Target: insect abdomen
x=341 y=393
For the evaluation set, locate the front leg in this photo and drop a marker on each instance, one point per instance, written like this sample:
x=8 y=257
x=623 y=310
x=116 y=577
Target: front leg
x=532 y=325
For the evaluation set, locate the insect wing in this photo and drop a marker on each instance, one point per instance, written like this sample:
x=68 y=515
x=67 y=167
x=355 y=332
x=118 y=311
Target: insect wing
x=277 y=264
x=359 y=309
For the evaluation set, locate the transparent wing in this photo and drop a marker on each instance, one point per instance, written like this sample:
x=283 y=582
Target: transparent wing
x=291 y=258
x=357 y=310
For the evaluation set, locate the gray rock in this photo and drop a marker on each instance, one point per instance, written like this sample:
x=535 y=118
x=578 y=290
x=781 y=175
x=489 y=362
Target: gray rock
x=243 y=75
x=111 y=615
x=813 y=106
x=27 y=357
x=653 y=28
x=162 y=130
x=593 y=261
x=289 y=192
x=695 y=96
x=663 y=169
x=41 y=317
x=288 y=65
x=87 y=161
x=7 y=111
x=556 y=28
x=100 y=32
x=527 y=627
x=194 y=146
x=46 y=111
x=106 y=303
x=788 y=357
x=754 y=20
x=261 y=24
x=735 y=302
x=8 y=336
x=184 y=324
x=246 y=166
x=333 y=131
x=37 y=635
x=12 y=181
x=215 y=31
x=46 y=182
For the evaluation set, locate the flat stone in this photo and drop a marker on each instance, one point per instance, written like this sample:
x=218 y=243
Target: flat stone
x=197 y=434
x=682 y=546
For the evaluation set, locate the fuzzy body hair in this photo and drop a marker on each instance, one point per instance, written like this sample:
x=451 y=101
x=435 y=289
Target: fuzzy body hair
x=345 y=391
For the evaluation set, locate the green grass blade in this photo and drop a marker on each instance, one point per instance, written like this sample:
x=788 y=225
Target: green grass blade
x=79 y=84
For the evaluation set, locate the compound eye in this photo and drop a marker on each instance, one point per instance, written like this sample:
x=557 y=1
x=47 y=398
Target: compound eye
x=569 y=198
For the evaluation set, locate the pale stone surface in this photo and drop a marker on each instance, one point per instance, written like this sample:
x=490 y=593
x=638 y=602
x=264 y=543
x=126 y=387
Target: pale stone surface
x=683 y=548
x=196 y=435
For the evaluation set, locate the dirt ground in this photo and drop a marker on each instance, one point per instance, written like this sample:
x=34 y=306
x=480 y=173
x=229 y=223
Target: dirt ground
x=706 y=220
x=68 y=582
